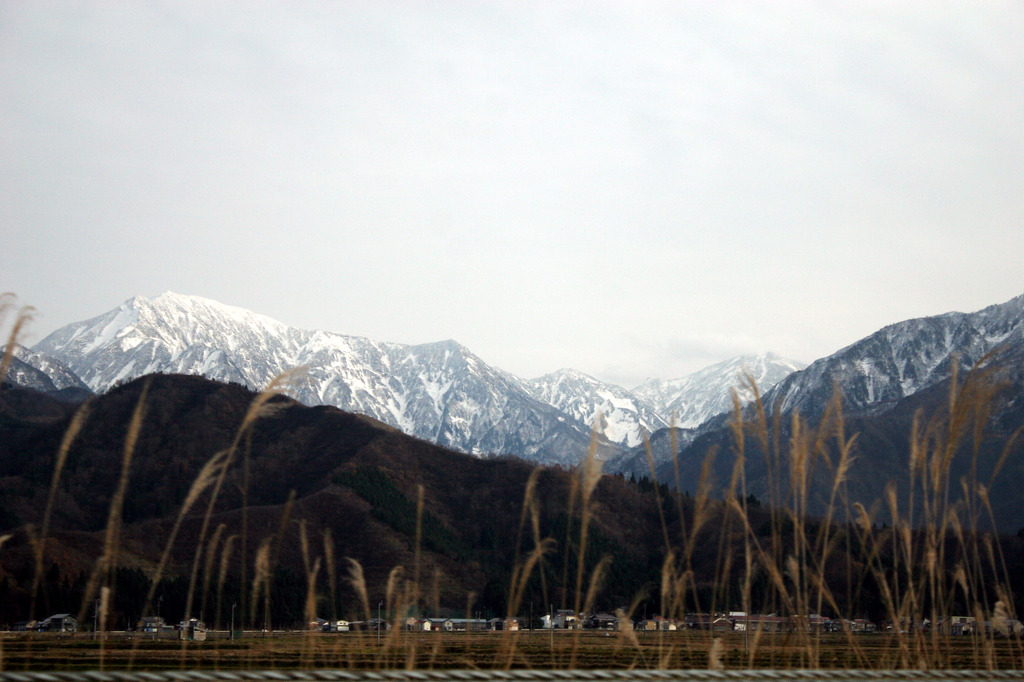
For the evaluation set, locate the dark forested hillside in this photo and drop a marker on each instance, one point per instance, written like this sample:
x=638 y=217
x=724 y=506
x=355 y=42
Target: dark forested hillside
x=318 y=501
x=351 y=479
x=974 y=417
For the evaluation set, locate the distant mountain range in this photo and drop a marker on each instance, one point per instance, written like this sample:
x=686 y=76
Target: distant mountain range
x=356 y=479
x=692 y=400
x=887 y=381
x=443 y=393
x=902 y=359
x=44 y=374
x=440 y=391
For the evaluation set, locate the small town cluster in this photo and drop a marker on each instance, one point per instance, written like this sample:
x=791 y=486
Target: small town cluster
x=565 y=619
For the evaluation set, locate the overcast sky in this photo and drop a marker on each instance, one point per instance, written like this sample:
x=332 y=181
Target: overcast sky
x=630 y=189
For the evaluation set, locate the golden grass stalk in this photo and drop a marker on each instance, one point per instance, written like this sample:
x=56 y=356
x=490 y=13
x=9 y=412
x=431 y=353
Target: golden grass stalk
x=529 y=507
x=211 y=555
x=391 y=590
x=332 y=571
x=657 y=492
x=261 y=579
x=358 y=582
x=104 y=609
x=309 y=610
x=222 y=573
x=207 y=475
x=715 y=654
x=70 y=434
x=590 y=475
x=520 y=578
x=435 y=594
x=23 y=317
x=112 y=535
x=594 y=586
x=259 y=408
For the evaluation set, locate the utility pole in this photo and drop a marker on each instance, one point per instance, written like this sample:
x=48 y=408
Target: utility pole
x=232 y=636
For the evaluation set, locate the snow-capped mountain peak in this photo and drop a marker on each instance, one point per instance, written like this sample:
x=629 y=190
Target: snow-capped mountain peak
x=438 y=391
x=901 y=359
x=693 y=399
x=42 y=372
x=614 y=411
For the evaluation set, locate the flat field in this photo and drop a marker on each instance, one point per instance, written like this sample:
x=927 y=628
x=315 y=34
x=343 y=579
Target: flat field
x=494 y=650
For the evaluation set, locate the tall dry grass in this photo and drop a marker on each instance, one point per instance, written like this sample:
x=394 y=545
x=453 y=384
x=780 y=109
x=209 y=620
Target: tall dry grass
x=934 y=557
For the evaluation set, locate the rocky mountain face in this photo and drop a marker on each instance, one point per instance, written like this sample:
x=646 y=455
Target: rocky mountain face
x=43 y=373
x=886 y=381
x=900 y=360
x=440 y=392
x=59 y=375
x=443 y=393
x=691 y=404
x=20 y=373
x=695 y=398
x=617 y=413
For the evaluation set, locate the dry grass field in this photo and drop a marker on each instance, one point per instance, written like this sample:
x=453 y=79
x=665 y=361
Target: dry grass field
x=936 y=559
x=488 y=650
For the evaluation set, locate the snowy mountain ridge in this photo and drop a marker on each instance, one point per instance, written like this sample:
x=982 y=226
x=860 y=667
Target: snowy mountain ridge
x=40 y=372
x=901 y=359
x=695 y=398
x=619 y=414
x=438 y=391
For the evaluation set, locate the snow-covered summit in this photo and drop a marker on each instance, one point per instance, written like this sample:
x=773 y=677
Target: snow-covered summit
x=172 y=332
x=624 y=418
x=437 y=391
x=902 y=359
x=40 y=371
x=693 y=399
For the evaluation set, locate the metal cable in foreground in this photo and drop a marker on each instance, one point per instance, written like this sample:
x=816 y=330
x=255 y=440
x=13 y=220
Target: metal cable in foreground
x=520 y=675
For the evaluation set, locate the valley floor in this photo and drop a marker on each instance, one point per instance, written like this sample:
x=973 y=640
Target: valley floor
x=497 y=650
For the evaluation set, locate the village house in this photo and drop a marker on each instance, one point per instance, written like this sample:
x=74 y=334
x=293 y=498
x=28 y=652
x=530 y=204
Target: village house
x=565 y=619
x=645 y=624
x=155 y=626
x=961 y=625
x=862 y=625
x=665 y=624
x=59 y=622
x=378 y=624
x=336 y=626
x=470 y=624
x=703 y=621
x=602 y=621
x=510 y=624
x=441 y=624
x=413 y=624
x=152 y=624
x=192 y=630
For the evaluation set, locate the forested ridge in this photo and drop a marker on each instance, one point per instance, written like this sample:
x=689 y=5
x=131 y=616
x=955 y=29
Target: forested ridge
x=315 y=484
